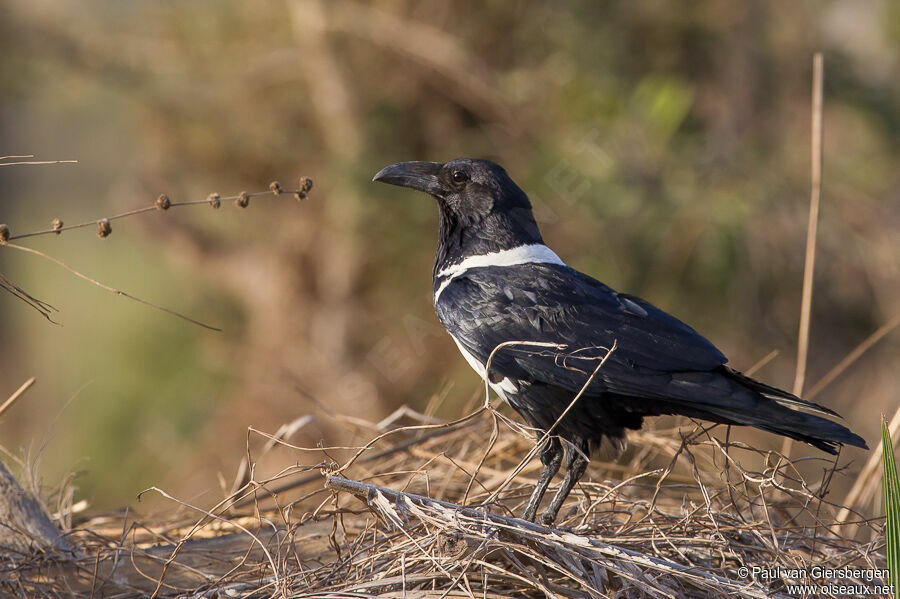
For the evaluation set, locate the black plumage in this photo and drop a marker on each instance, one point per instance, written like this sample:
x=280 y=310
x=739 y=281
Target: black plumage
x=495 y=282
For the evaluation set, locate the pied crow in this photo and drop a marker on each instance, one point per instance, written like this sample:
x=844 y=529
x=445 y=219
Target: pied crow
x=495 y=282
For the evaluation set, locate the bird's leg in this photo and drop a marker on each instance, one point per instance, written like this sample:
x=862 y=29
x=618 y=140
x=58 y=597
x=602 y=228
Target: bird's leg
x=576 y=464
x=551 y=458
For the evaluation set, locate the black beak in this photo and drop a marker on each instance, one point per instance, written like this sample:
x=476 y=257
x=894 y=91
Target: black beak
x=422 y=176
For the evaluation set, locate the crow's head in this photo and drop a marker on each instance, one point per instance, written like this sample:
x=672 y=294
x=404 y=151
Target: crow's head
x=482 y=209
x=467 y=189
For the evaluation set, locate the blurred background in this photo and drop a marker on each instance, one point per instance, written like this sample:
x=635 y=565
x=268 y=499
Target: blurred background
x=665 y=146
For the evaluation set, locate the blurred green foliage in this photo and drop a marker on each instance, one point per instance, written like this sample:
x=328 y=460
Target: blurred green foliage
x=665 y=146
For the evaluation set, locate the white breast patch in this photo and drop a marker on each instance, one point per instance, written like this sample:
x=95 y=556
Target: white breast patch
x=502 y=388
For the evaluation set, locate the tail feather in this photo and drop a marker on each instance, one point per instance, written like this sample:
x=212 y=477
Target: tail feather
x=730 y=397
x=780 y=396
x=788 y=415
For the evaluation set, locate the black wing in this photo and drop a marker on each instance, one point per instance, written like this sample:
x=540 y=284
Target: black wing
x=556 y=304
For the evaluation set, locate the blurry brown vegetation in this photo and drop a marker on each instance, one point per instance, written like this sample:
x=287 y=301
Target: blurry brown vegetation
x=665 y=145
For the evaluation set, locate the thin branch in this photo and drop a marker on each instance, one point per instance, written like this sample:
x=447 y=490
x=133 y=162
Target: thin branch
x=762 y=362
x=812 y=225
x=163 y=203
x=853 y=356
x=18 y=393
x=212 y=516
x=380 y=455
x=108 y=288
x=33 y=162
x=104 y=229
x=42 y=307
x=811 y=231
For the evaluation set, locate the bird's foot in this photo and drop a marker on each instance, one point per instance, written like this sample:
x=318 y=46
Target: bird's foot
x=547 y=520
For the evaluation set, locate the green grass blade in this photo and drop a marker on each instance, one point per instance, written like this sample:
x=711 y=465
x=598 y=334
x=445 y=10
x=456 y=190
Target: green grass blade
x=891 y=507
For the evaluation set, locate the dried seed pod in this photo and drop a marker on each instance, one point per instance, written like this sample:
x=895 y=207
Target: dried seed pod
x=4 y=233
x=305 y=185
x=103 y=228
x=162 y=202
x=214 y=200
x=243 y=200
x=57 y=225
x=275 y=187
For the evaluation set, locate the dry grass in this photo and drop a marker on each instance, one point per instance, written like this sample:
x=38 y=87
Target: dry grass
x=677 y=516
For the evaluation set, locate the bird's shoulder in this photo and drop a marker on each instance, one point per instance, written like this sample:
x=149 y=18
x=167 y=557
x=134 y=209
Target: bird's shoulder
x=537 y=284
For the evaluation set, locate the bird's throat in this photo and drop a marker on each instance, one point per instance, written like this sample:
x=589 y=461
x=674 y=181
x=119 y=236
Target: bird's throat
x=493 y=233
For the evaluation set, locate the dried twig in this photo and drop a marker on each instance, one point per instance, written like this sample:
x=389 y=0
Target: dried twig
x=811 y=231
x=108 y=288
x=104 y=229
x=31 y=162
x=690 y=542
x=853 y=356
x=451 y=516
x=164 y=203
x=18 y=393
x=812 y=225
x=42 y=307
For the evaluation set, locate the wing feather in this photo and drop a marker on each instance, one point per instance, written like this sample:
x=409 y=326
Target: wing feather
x=557 y=304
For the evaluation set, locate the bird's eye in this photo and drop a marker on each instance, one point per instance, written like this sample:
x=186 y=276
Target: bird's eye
x=460 y=177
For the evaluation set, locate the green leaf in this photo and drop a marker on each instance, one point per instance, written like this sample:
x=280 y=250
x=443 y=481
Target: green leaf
x=891 y=507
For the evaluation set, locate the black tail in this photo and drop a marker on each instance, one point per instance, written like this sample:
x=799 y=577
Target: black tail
x=786 y=414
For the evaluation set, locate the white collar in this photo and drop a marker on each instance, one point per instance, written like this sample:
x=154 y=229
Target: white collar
x=535 y=253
